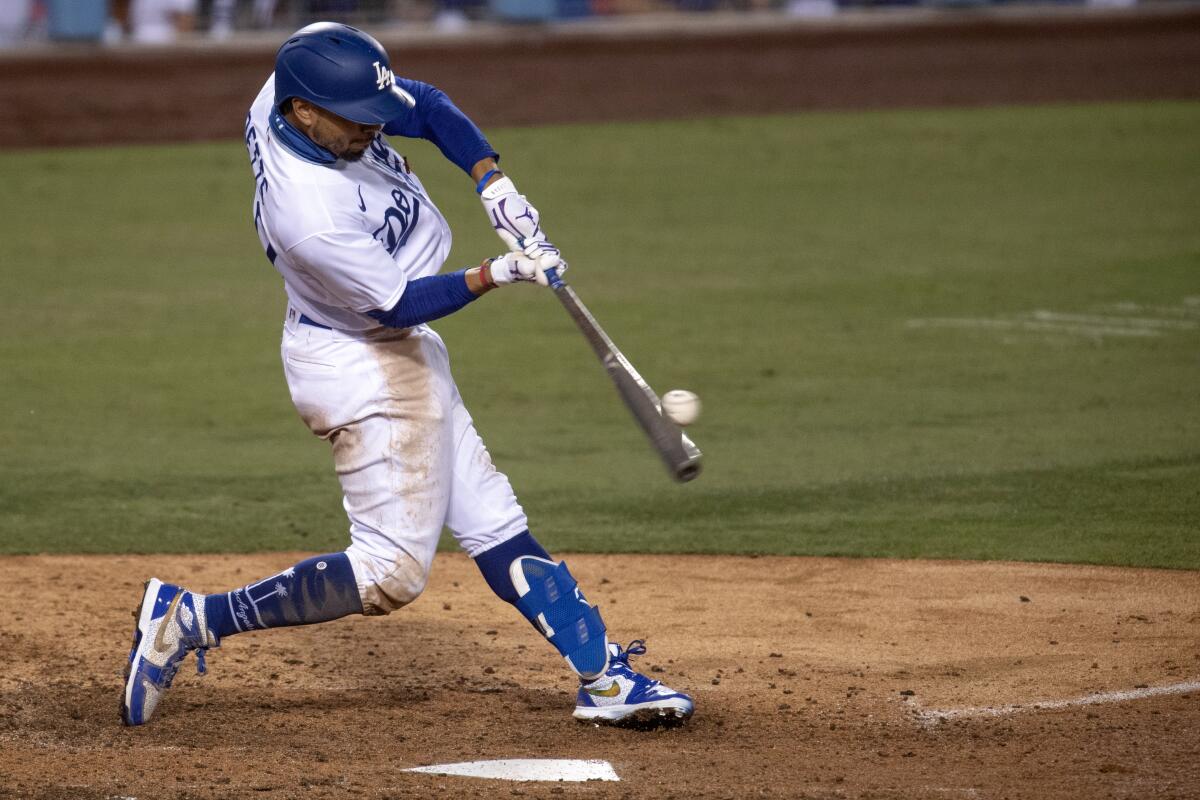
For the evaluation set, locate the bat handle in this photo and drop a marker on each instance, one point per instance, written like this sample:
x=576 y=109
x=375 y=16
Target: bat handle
x=552 y=276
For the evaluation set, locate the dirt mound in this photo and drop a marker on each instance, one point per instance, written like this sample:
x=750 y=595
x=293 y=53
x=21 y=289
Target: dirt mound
x=812 y=677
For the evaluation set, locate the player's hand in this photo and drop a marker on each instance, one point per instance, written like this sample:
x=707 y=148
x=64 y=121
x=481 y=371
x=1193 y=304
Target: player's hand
x=545 y=256
x=511 y=268
x=513 y=218
x=518 y=267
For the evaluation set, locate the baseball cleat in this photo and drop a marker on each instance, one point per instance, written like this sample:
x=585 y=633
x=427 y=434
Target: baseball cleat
x=170 y=623
x=629 y=699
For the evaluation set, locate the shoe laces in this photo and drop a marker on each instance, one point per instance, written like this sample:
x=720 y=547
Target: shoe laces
x=621 y=662
x=200 y=644
x=189 y=642
x=636 y=648
x=168 y=673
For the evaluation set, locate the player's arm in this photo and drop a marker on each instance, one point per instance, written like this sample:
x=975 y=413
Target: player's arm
x=436 y=296
x=437 y=119
x=354 y=269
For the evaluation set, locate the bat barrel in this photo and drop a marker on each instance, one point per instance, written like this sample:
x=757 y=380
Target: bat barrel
x=687 y=472
x=678 y=453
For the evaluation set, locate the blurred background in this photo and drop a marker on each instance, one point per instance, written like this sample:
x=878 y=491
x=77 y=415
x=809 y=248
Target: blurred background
x=159 y=22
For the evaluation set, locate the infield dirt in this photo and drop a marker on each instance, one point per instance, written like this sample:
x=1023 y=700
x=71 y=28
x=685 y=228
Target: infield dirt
x=800 y=669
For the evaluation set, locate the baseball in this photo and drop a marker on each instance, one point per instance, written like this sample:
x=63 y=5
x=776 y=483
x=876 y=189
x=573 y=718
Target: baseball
x=681 y=406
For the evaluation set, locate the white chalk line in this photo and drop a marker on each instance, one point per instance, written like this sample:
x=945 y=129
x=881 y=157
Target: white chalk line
x=1110 y=321
x=1190 y=310
x=1030 y=325
x=1150 y=321
x=929 y=717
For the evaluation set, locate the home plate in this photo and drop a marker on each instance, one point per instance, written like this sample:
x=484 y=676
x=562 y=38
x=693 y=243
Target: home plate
x=527 y=769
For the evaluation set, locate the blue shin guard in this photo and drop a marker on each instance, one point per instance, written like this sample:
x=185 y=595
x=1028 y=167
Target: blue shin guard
x=549 y=598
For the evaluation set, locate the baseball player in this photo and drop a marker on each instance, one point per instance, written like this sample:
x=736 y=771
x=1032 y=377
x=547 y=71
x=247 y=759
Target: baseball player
x=360 y=245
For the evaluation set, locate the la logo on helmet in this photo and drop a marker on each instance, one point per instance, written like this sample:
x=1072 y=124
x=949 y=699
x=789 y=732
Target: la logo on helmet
x=384 y=77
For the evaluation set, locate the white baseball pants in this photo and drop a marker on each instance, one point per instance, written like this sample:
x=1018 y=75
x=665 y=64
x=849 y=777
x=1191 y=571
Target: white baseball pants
x=405 y=450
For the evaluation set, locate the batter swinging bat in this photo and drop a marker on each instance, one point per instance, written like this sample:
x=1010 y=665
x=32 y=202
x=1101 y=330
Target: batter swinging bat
x=677 y=451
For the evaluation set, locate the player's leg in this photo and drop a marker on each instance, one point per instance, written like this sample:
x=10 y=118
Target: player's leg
x=172 y=621
x=395 y=519
x=381 y=405
x=490 y=525
x=385 y=411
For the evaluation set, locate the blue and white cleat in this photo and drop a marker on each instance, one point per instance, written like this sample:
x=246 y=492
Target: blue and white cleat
x=629 y=699
x=170 y=623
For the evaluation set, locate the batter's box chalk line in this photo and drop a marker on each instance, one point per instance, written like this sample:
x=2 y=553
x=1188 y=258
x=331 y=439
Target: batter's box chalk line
x=1123 y=319
x=930 y=717
x=527 y=769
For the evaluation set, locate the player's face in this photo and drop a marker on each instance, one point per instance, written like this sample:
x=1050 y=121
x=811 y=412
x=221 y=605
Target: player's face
x=340 y=136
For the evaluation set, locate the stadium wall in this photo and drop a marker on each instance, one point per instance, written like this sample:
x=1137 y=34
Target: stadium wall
x=63 y=96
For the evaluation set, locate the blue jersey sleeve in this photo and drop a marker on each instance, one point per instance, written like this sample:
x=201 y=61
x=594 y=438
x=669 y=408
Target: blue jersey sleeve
x=427 y=299
x=437 y=119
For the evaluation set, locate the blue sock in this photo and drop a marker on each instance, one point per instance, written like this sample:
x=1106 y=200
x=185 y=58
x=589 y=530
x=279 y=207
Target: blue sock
x=494 y=563
x=315 y=590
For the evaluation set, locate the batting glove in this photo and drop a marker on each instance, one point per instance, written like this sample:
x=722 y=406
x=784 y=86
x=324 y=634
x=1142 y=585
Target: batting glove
x=511 y=268
x=518 y=267
x=513 y=218
x=545 y=256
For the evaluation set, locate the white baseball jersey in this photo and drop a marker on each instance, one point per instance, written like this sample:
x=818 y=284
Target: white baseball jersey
x=348 y=236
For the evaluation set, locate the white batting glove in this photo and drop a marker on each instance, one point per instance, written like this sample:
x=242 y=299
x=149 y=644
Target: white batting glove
x=544 y=256
x=518 y=267
x=511 y=214
x=511 y=268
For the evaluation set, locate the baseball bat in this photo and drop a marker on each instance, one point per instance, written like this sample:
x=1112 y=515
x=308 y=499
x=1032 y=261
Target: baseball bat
x=677 y=451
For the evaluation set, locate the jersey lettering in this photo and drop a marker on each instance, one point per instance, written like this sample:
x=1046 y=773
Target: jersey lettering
x=398 y=222
x=388 y=158
x=259 y=168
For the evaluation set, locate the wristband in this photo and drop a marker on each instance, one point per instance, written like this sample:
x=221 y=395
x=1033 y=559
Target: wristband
x=487 y=176
x=486 y=276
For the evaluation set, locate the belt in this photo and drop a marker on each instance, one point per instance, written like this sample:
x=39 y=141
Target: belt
x=304 y=320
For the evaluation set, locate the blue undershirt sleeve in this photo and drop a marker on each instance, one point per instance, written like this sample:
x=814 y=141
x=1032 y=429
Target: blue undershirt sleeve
x=438 y=120
x=427 y=299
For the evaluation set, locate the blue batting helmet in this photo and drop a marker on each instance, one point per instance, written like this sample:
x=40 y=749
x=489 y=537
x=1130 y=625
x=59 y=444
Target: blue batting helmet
x=341 y=69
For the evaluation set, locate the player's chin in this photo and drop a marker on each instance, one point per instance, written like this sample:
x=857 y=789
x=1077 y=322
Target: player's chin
x=355 y=150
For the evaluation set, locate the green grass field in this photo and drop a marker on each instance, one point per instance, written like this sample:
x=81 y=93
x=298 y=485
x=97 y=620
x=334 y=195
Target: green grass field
x=852 y=295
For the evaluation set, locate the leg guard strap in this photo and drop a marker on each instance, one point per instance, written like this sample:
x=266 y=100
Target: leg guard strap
x=549 y=597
